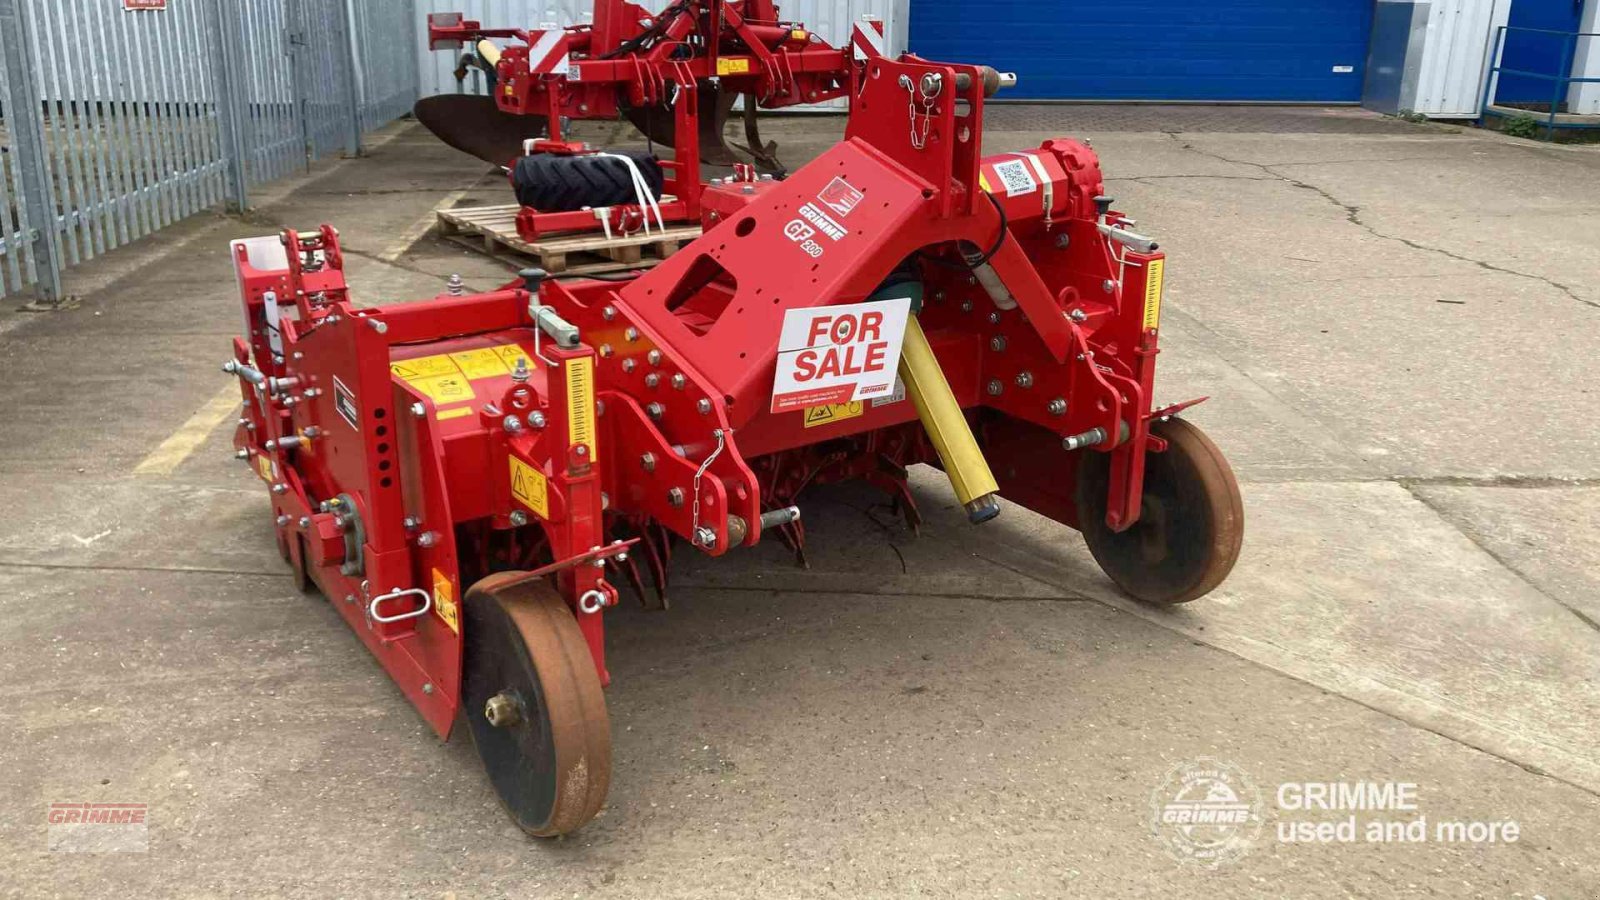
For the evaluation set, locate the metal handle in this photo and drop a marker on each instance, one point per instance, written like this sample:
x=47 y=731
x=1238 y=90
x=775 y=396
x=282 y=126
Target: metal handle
x=427 y=605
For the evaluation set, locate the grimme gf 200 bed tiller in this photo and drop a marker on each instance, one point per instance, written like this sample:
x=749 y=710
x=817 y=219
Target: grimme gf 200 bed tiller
x=467 y=478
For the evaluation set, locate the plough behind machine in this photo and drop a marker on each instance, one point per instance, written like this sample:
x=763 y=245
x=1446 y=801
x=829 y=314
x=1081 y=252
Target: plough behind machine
x=468 y=479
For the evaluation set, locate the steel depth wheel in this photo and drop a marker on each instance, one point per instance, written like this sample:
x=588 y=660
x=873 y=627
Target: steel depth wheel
x=1191 y=520
x=535 y=706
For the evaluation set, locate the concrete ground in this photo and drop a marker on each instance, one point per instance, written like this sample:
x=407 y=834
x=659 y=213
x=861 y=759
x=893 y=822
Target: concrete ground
x=1396 y=324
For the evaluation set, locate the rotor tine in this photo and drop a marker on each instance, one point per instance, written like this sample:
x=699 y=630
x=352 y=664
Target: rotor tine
x=658 y=568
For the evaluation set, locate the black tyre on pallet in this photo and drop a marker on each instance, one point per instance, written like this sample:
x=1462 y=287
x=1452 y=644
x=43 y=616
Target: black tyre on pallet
x=550 y=182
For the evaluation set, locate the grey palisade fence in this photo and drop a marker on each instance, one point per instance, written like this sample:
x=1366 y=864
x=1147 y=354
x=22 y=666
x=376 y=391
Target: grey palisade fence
x=120 y=117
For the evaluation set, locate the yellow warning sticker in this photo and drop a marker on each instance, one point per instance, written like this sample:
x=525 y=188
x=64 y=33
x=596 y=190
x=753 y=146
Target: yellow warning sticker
x=444 y=389
x=455 y=413
x=733 y=66
x=798 y=34
x=1152 y=293
x=444 y=601
x=528 y=485
x=580 y=403
x=983 y=182
x=510 y=353
x=264 y=467
x=484 y=363
x=424 y=367
x=832 y=412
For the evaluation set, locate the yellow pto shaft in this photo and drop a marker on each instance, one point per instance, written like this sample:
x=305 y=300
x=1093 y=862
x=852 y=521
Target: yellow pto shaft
x=945 y=423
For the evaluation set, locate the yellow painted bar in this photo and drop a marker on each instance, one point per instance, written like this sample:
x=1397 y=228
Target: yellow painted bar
x=489 y=52
x=942 y=417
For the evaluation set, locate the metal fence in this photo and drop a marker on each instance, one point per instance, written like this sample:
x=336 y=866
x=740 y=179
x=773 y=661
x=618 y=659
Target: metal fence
x=118 y=121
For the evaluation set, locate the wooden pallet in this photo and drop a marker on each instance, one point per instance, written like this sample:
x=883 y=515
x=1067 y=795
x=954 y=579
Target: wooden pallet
x=493 y=230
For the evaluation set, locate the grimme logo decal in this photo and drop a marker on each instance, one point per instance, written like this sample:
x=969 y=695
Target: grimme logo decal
x=840 y=196
x=1206 y=812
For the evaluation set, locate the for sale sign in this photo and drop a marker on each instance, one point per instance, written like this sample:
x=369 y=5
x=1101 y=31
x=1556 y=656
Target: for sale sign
x=838 y=354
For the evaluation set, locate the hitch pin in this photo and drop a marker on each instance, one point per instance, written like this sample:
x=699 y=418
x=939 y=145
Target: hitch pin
x=1130 y=239
x=252 y=375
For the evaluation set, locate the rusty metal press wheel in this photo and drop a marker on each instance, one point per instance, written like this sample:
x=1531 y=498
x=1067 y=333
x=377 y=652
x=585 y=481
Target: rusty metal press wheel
x=535 y=706
x=1191 y=522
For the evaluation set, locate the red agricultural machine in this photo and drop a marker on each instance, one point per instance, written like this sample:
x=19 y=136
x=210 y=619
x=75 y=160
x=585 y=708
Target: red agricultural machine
x=675 y=75
x=469 y=478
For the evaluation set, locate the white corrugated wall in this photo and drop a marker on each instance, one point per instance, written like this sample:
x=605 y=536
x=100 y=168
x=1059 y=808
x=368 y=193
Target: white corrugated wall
x=830 y=18
x=1455 y=56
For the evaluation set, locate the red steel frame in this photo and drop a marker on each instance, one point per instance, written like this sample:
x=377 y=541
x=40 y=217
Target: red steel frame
x=399 y=440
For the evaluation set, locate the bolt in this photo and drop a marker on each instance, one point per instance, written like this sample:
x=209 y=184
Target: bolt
x=678 y=381
x=628 y=364
x=632 y=334
x=1062 y=240
x=1024 y=379
x=648 y=461
x=1108 y=285
x=304 y=522
x=582 y=450
x=655 y=410
x=280 y=488
x=1086 y=439
x=605 y=351
x=312 y=431
x=282 y=521
x=418 y=410
x=502 y=710
x=427 y=688
x=519 y=518
x=511 y=424
x=454 y=285
x=705 y=537
x=1057 y=407
x=520 y=373
x=966 y=306
x=675 y=497
x=1078 y=315
x=427 y=539
x=994 y=318
x=653 y=357
x=997 y=343
x=995 y=387
x=653 y=379
x=536 y=419
x=608 y=312
x=378 y=326
x=411 y=522
x=605 y=500
x=241 y=454
x=704 y=406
